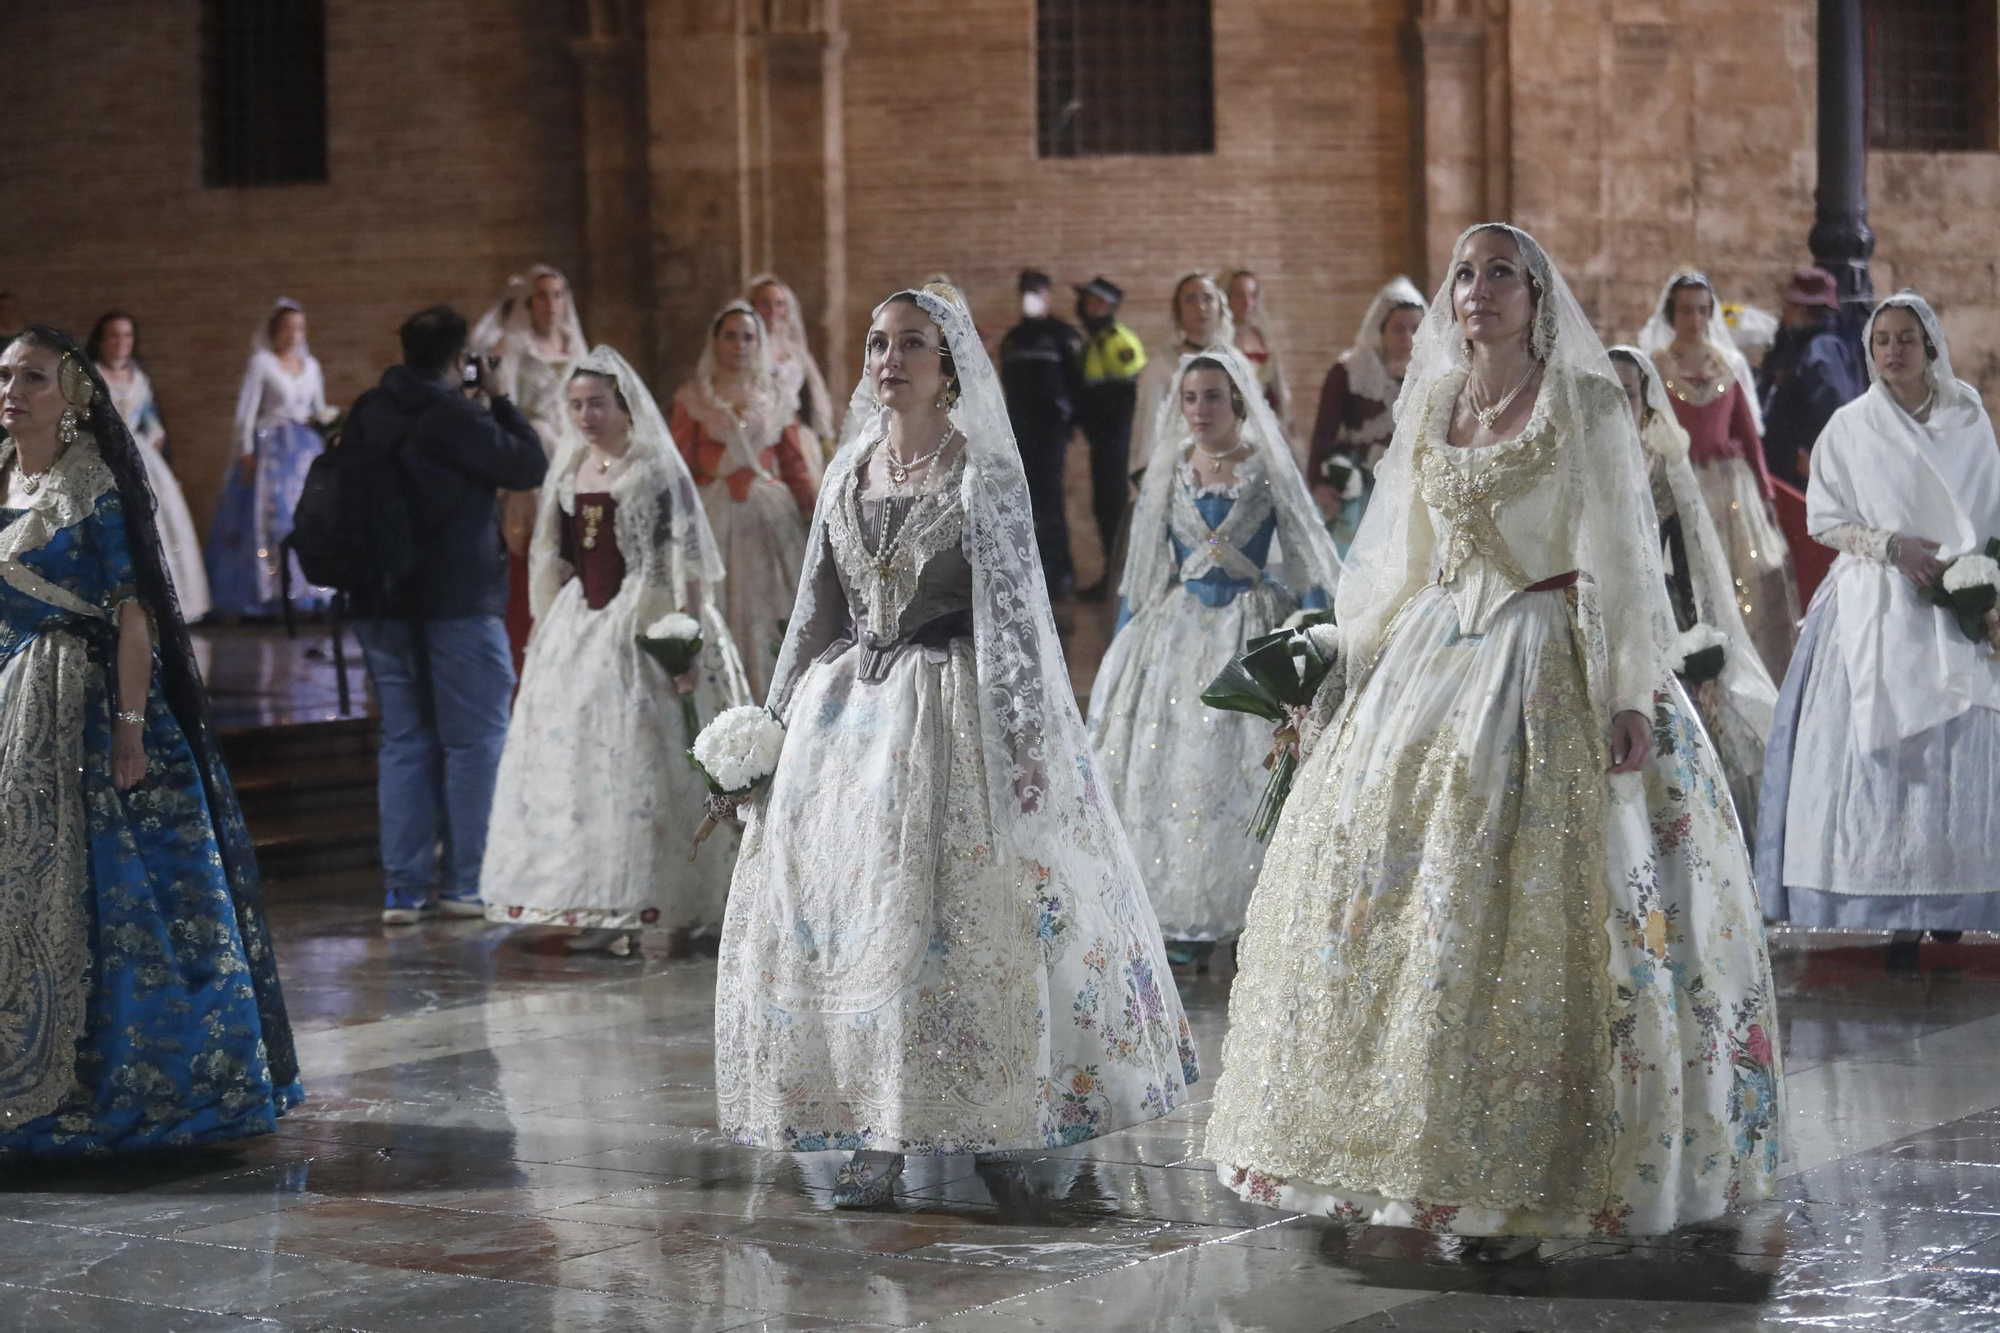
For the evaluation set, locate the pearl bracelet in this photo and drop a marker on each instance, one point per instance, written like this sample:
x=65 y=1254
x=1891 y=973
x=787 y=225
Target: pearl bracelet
x=139 y=718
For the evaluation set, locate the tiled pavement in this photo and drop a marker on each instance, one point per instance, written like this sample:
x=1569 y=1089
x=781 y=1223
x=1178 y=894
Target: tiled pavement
x=498 y=1136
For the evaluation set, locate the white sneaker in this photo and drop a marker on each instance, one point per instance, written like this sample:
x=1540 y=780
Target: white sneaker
x=462 y=906
x=404 y=916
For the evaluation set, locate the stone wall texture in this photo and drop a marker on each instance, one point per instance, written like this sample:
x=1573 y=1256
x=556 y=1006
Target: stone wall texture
x=1641 y=135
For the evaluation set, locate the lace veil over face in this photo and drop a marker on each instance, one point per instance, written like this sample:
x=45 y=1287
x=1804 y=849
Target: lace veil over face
x=1616 y=542
x=1049 y=806
x=791 y=355
x=510 y=319
x=1310 y=558
x=765 y=414
x=1366 y=373
x=1658 y=332
x=260 y=339
x=655 y=477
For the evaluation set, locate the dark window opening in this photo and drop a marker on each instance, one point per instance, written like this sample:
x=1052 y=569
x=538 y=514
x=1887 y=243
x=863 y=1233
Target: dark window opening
x=1933 y=75
x=263 y=91
x=1124 y=76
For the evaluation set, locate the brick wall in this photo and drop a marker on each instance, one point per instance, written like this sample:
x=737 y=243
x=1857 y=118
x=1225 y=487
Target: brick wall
x=1645 y=133
x=1310 y=184
x=452 y=157
x=1655 y=134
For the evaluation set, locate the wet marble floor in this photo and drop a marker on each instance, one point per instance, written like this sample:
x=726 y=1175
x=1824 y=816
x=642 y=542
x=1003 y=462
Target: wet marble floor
x=501 y=1137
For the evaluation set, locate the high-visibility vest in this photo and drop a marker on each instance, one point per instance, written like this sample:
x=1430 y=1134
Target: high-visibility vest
x=1113 y=354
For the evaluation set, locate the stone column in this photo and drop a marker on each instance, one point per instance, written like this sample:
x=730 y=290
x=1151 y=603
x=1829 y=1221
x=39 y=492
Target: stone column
x=615 y=288
x=1841 y=240
x=1465 y=131
x=804 y=239
x=698 y=116
x=744 y=101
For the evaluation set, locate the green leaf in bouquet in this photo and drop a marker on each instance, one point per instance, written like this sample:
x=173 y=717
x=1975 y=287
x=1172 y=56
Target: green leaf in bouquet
x=1970 y=605
x=1236 y=689
x=1288 y=665
x=676 y=656
x=1698 y=668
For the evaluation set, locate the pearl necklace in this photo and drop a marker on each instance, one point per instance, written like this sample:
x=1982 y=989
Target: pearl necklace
x=899 y=470
x=1215 y=461
x=1488 y=415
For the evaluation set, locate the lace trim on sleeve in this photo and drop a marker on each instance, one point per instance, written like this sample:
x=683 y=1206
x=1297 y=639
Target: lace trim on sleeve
x=1855 y=539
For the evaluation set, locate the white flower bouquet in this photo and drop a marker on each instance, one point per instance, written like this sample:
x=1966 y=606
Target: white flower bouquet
x=674 y=641
x=735 y=753
x=1704 y=650
x=1970 y=591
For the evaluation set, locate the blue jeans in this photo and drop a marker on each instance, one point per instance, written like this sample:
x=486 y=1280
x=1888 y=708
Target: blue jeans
x=436 y=776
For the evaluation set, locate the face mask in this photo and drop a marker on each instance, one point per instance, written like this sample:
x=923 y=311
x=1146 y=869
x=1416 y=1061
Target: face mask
x=1034 y=304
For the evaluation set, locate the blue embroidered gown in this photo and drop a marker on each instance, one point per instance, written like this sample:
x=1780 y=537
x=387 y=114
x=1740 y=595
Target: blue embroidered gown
x=139 y=1005
x=1187 y=779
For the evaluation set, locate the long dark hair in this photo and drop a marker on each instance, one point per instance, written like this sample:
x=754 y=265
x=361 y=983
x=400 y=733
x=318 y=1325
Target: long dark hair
x=185 y=694
x=94 y=346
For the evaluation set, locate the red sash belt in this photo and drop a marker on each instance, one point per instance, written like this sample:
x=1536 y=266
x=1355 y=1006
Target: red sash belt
x=1554 y=583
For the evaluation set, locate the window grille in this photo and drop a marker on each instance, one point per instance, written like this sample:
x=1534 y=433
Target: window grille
x=263 y=92
x=1931 y=75
x=1124 y=76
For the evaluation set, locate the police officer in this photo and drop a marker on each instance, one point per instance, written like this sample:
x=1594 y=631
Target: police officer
x=1041 y=362
x=1112 y=359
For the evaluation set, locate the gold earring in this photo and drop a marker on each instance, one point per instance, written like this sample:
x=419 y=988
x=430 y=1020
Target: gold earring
x=947 y=397
x=66 y=427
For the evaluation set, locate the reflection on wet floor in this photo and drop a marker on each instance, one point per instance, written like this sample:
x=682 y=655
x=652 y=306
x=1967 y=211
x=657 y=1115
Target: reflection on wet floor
x=500 y=1135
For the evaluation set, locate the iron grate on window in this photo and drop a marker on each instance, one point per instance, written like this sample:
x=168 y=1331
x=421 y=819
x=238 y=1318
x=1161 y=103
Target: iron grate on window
x=1124 y=76
x=263 y=91
x=1931 y=75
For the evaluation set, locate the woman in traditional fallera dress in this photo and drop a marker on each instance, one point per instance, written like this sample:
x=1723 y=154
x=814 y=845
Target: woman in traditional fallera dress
x=595 y=794
x=1185 y=778
x=1714 y=396
x=1883 y=773
x=139 y=999
x=795 y=369
x=1736 y=706
x=114 y=349
x=742 y=442
x=1245 y=291
x=1485 y=989
x=964 y=960
x=1357 y=408
x=535 y=339
x=1201 y=320
x=282 y=399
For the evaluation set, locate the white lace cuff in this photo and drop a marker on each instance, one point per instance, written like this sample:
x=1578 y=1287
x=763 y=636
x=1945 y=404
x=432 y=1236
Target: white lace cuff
x=1853 y=538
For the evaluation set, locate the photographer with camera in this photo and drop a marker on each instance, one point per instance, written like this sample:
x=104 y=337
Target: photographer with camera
x=434 y=636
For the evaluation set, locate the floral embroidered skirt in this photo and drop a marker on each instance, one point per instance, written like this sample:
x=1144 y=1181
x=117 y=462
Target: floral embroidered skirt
x=1187 y=778
x=887 y=982
x=1484 y=988
x=596 y=805
x=763 y=543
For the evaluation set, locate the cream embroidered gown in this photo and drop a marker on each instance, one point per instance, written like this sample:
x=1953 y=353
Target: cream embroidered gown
x=1485 y=988
x=885 y=981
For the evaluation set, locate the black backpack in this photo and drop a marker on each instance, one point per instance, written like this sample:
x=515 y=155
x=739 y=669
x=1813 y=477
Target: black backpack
x=352 y=529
